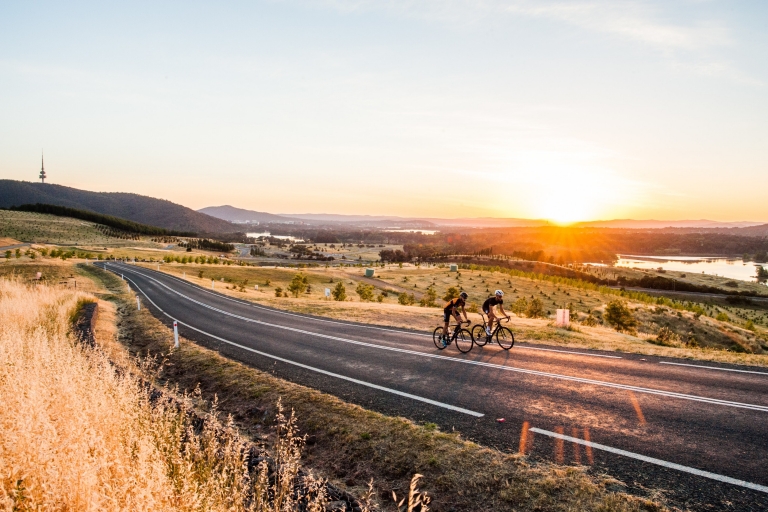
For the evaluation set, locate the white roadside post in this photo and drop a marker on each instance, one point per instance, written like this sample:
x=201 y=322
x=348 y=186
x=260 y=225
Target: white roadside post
x=327 y=292
x=185 y=275
x=212 y=283
x=175 y=334
x=138 y=303
x=563 y=318
x=256 y=287
x=122 y=277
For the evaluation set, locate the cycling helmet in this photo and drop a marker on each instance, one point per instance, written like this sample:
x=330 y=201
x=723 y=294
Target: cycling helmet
x=463 y=295
x=499 y=293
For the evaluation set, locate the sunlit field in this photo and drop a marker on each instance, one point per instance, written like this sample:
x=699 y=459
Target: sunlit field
x=79 y=433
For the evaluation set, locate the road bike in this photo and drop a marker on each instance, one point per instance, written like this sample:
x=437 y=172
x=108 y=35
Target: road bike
x=462 y=338
x=502 y=334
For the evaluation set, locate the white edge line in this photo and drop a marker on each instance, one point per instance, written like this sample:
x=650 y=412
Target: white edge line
x=651 y=460
x=318 y=370
x=671 y=394
x=405 y=332
x=714 y=368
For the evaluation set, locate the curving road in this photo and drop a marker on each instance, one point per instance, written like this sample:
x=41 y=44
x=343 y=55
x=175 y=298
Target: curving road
x=697 y=431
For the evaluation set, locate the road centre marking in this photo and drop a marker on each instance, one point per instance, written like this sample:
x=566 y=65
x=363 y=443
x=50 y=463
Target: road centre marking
x=405 y=332
x=651 y=460
x=318 y=370
x=671 y=394
x=715 y=368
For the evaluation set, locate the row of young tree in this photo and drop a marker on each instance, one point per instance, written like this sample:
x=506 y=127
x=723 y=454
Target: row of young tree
x=205 y=244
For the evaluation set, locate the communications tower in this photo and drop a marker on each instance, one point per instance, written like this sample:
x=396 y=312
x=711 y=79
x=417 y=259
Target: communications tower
x=42 y=168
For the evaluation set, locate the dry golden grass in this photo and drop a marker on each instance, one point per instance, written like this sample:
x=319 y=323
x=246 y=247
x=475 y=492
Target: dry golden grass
x=79 y=434
x=5 y=241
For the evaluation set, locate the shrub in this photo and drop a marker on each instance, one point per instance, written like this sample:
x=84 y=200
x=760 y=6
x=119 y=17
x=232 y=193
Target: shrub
x=472 y=307
x=520 y=306
x=452 y=293
x=278 y=292
x=620 y=317
x=429 y=298
x=667 y=337
x=405 y=299
x=365 y=291
x=298 y=284
x=339 y=292
x=590 y=321
x=750 y=326
x=535 y=309
x=722 y=317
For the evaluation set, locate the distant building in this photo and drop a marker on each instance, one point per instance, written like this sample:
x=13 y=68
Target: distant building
x=42 y=168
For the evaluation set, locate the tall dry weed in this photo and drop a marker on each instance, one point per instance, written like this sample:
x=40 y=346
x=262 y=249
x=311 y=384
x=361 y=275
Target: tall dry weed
x=78 y=434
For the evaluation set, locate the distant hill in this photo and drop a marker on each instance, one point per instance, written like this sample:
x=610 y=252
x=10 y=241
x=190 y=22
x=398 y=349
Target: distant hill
x=661 y=224
x=142 y=209
x=233 y=214
x=761 y=230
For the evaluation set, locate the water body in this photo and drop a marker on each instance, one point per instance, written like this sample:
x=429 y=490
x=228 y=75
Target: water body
x=731 y=268
x=422 y=231
x=279 y=237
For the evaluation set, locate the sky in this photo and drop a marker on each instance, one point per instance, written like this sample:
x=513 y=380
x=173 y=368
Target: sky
x=564 y=110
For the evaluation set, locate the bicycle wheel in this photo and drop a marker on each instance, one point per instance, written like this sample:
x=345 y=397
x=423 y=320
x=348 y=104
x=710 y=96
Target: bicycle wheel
x=437 y=338
x=505 y=338
x=478 y=334
x=464 y=341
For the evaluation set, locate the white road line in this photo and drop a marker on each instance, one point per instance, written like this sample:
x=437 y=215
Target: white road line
x=405 y=332
x=569 y=352
x=715 y=368
x=318 y=370
x=651 y=460
x=651 y=391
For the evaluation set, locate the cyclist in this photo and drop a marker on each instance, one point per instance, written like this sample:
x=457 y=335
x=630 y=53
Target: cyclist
x=488 y=305
x=452 y=308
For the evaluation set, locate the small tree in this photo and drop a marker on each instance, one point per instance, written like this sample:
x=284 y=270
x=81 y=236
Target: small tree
x=298 y=284
x=520 y=306
x=429 y=298
x=339 y=292
x=278 y=292
x=365 y=291
x=535 y=309
x=620 y=317
x=7 y=255
x=452 y=293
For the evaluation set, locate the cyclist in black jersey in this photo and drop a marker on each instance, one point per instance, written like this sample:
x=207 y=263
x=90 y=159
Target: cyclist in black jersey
x=452 y=309
x=488 y=305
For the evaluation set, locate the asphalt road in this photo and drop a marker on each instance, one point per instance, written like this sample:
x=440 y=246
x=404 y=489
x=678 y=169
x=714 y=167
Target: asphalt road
x=696 y=431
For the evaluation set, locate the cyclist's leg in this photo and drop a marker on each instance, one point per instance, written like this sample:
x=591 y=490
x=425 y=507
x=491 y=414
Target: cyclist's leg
x=491 y=318
x=446 y=319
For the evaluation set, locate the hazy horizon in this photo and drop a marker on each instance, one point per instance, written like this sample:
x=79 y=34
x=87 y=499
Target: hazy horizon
x=566 y=111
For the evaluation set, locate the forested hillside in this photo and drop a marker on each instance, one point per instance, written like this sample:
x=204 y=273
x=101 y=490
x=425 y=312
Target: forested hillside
x=135 y=207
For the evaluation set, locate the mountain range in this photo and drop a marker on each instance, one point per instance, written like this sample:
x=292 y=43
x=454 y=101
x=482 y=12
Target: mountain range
x=233 y=214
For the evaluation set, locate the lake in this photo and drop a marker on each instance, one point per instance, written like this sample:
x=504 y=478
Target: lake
x=732 y=268
x=279 y=237
x=422 y=231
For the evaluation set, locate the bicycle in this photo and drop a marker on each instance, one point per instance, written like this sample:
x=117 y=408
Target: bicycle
x=503 y=335
x=462 y=337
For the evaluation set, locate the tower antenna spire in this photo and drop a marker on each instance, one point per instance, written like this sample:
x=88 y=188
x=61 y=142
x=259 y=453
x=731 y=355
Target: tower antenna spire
x=42 y=167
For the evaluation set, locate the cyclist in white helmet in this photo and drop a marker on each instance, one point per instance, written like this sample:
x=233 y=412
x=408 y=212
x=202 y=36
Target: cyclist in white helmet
x=488 y=305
